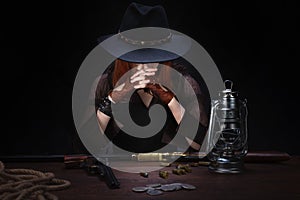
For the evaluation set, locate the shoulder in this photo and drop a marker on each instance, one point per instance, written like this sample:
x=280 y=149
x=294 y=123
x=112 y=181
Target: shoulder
x=103 y=85
x=184 y=67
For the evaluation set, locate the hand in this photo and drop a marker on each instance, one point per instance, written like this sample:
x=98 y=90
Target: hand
x=160 y=92
x=142 y=76
x=138 y=80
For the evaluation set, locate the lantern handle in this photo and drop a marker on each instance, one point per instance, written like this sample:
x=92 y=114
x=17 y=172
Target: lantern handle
x=228 y=84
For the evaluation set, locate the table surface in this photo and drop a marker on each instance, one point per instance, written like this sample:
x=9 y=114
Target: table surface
x=258 y=181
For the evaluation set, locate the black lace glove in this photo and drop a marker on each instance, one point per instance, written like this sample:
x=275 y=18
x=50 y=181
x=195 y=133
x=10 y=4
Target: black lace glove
x=105 y=106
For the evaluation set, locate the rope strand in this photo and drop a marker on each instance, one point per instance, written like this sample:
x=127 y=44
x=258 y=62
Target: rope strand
x=23 y=184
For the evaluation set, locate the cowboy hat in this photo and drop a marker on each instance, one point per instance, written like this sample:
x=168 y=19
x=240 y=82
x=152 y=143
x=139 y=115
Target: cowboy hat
x=144 y=36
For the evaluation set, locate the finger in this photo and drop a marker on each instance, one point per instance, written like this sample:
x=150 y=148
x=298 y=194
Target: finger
x=150 y=69
x=142 y=84
x=139 y=86
x=149 y=74
x=146 y=74
x=146 y=81
x=139 y=78
x=139 y=72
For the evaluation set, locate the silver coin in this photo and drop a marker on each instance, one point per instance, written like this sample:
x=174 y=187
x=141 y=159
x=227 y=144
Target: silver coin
x=154 y=185
x=168 y=188
x=140 y=189
x=154 y=192
x=188 y=186
x=177 y=185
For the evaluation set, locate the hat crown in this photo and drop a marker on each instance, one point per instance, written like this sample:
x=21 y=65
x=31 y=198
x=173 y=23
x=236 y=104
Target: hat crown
x=139 y=15
x=144 y=36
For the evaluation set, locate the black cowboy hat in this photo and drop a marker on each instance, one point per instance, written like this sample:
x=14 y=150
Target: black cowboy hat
x=144 y=36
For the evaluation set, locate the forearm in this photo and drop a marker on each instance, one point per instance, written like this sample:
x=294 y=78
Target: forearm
x=107 y=124
x=189 y=131
x=182 y=115
x=193 y=144
x=103 y=120
x=176 y=109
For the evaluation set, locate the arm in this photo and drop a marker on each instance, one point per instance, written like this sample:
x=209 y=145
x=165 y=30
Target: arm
x=188 y=110
x=119 y=93
x=178 y=112
x=167 y=97
x=196 y=110
x=176 y=109
x=103 y=120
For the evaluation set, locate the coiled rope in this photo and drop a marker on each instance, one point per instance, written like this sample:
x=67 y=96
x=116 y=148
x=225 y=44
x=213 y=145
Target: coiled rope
x=21 y=184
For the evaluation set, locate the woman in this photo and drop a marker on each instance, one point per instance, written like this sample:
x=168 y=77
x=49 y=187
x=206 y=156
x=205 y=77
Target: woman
x=144 y=62
x=144 y=83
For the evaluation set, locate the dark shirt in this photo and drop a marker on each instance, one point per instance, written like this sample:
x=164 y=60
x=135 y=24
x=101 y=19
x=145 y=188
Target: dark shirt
x=140 y=114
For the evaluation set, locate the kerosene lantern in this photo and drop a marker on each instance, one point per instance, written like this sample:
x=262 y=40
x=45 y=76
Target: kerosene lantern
x=227 y=134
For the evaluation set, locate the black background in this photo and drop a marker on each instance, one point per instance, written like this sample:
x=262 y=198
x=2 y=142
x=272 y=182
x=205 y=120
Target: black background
x=43 y=44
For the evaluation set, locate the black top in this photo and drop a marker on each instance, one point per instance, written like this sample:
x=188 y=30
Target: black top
x=139 y=114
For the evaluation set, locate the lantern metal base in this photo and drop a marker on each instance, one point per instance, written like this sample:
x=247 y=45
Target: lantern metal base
x=227 y=166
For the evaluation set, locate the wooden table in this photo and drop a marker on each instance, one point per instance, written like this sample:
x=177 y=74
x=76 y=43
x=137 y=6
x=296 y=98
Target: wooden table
x=259 y=181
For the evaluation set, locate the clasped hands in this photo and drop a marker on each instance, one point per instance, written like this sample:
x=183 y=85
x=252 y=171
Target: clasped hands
x=143 y=76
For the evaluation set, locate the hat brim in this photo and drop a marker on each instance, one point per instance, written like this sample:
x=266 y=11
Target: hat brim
x=170 y=50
